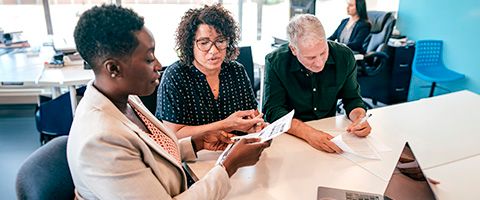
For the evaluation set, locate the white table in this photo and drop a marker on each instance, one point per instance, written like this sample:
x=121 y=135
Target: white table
x=440 y=129
x=458 y=180
x=22 y=73
x=291 y=169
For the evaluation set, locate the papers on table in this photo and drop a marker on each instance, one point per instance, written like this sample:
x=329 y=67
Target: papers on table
x=273 y=130
x=360 y=149
x=224 y=154
x=355 y=145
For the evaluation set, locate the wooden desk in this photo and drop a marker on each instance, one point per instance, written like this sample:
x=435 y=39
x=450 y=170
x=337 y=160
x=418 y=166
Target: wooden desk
x=291 y=169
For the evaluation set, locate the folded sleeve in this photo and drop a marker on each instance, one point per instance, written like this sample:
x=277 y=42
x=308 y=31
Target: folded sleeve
x=186 y=149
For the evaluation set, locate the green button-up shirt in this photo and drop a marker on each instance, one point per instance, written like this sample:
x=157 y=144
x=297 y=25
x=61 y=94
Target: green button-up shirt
x=289 y=85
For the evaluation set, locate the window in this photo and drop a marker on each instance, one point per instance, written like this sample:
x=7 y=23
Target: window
x=65 y=14
x=23 y=15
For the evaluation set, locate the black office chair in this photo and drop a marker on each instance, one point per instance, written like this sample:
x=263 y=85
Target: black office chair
x=45 y=173
x=373 y=69
x=54 y=117
x=245 y=58
x=302 y=7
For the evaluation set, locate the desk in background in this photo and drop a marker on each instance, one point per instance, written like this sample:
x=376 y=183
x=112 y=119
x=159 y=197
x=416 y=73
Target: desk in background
x=291 y=169
x=22 y=75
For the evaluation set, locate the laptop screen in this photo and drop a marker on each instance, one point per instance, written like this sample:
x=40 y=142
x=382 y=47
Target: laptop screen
x=408 y=180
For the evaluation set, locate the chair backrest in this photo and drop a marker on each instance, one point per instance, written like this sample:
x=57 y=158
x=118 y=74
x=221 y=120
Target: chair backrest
x=302 y=7
x=428 y=53
x=54 y=117
x=245 y=58
x=45 y=173
x=382 y=27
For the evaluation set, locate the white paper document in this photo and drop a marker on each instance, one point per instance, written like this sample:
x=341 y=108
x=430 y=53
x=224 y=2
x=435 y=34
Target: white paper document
x=273 y=130
x=355 y=145
x=224 y=154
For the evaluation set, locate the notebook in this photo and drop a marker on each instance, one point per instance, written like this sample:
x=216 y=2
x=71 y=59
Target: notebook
x=400 y=186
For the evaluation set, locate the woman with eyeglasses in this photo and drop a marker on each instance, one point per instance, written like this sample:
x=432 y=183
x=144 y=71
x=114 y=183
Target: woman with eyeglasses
x=116 y=148
x=206 y=90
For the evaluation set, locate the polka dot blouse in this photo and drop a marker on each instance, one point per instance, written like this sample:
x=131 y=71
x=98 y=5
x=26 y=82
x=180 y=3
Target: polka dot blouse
x=184 y=96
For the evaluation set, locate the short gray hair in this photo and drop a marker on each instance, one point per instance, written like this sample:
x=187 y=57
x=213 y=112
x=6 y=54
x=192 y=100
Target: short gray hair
x=305 y=26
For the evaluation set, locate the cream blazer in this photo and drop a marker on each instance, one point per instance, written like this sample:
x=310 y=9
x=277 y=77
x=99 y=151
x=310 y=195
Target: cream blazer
x=111 y=158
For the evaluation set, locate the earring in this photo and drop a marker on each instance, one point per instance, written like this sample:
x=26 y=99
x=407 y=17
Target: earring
x=112 y=75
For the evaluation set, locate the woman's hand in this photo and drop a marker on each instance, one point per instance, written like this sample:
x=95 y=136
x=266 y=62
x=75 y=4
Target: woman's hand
x=244 y=121
x=217 y=140
x=245 y=152
x=213 y=140
x=258 y=126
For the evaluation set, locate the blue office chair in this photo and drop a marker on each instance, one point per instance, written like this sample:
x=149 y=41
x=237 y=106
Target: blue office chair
x=45 y=173
x=428 y=64
x=54 y=117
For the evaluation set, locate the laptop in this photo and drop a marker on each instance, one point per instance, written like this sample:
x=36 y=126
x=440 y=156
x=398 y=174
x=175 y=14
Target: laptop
x=400 y=186
x=64 y=45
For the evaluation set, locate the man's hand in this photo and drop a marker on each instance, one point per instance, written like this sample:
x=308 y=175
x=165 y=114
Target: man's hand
x=244 y=121
x=317 y=139
x=321 y=141
x=357 y=127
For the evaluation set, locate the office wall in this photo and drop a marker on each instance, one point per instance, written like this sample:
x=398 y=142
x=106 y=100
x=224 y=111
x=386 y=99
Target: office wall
x=457 y=23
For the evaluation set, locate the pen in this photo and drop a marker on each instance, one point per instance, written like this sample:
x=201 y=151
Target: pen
x=364 y=119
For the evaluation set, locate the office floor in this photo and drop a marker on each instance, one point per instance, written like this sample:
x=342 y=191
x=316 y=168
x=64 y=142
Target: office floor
x=18 y=139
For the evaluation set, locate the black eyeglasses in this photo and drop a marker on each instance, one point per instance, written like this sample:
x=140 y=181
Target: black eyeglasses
x=206 y=44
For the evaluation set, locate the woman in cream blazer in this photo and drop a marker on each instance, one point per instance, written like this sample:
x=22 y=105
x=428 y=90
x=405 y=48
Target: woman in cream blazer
x=117 y=149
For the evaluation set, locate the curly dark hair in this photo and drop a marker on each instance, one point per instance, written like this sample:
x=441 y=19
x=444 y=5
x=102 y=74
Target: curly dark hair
x=107 y=31
x=216 y=16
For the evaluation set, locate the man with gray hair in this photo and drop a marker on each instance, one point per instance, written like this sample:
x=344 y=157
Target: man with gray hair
x=309 y=74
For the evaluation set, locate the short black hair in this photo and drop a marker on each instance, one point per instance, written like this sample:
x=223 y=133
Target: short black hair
x=107 y=31
x=216 y=16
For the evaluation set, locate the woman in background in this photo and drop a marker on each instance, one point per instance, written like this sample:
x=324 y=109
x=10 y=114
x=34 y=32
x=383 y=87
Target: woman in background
x=207 y=91
x=354 y=30
x=116 y=148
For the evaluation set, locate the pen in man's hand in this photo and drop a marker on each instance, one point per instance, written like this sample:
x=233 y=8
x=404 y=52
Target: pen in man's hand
x=364 y=119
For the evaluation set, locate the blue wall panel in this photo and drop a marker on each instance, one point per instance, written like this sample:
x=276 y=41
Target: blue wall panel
x=457 y=23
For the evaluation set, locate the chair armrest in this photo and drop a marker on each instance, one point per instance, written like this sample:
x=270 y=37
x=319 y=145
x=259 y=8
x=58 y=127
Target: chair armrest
x=376 y=54
x=373 y=63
